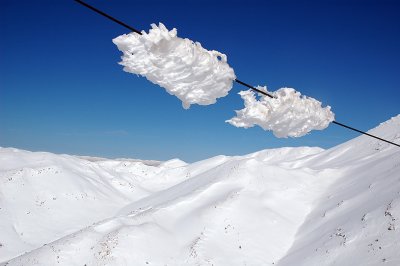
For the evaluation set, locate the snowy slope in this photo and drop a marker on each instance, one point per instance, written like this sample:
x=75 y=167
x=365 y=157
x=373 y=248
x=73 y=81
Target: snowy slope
x=357 y=222
x=288 y=206
x=44 y=196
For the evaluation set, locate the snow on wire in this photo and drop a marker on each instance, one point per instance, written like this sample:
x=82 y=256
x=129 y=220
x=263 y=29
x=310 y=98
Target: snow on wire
x=237 y=80
x=184 y=68
x=198 y=76
x=288 y=114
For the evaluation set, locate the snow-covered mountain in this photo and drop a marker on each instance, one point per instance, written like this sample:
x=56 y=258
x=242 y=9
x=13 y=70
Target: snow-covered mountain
x=288 y=206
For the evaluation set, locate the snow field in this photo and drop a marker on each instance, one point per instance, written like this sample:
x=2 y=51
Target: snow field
x=288 y=206
x=357 y=221
x=201 y=217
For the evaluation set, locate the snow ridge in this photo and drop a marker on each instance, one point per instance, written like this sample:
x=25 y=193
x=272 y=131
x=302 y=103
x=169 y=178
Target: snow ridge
x=288 y=206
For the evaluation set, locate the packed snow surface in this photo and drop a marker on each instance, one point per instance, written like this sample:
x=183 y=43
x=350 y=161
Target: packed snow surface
x=288 y=114
x=289 y=206
x=184 y=68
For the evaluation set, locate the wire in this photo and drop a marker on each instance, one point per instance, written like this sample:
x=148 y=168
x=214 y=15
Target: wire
x=138 y=32
x=108 y=16
x=237 y=80
x=365 y=133
x=255 y=89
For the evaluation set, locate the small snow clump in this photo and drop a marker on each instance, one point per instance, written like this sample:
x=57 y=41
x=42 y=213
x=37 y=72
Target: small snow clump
x=288 y=114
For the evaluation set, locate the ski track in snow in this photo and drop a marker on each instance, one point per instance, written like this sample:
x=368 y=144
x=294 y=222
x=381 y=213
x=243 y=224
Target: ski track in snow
x=288 y=206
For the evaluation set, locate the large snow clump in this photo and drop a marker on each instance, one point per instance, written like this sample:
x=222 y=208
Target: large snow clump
x=288 y=114
x=184 y=68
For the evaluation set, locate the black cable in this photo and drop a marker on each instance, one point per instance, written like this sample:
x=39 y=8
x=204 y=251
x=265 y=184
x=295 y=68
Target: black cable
x=253 y=88
x=237 y=80
x=138 y=32
x=108 y=16
x=365 y=133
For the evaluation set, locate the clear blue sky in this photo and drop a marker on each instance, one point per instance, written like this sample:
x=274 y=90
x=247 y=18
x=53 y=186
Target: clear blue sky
x=62 y=90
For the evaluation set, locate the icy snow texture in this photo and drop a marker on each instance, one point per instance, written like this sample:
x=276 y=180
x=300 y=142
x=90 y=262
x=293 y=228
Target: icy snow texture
x=289 y=114
x=184 y=68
